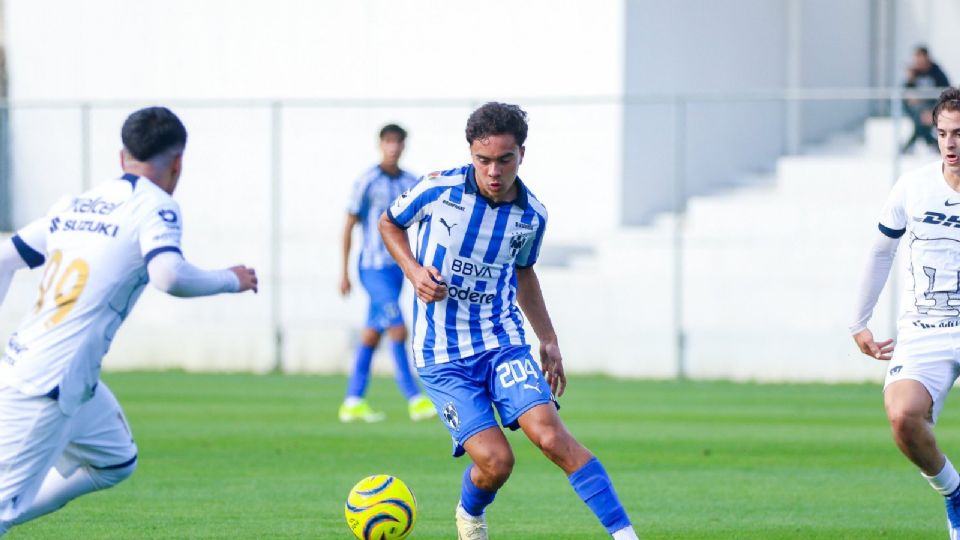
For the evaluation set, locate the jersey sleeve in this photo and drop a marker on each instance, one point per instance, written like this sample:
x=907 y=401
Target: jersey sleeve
x=416 y=204
x=160 y=230
x=893 y=217
x=530 y=251
x=357 y=202
x=31 y=242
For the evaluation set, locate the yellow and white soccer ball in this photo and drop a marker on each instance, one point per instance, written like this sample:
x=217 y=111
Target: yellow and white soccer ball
x=381 y=507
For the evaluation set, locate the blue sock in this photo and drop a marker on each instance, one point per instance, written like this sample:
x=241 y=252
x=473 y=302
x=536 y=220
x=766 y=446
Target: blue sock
x=404 y=375
x=472 y=498
x=357 y=386
x=593 y=485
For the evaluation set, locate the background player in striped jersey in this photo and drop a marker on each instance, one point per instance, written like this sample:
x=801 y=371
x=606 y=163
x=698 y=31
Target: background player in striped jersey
x=924 y=206
x=62 y=433
x=372 y=193
x=479 y=231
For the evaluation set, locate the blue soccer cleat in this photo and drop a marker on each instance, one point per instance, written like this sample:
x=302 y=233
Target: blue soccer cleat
x=953 y=514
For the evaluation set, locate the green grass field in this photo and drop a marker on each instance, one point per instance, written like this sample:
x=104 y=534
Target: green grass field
x=245 y=456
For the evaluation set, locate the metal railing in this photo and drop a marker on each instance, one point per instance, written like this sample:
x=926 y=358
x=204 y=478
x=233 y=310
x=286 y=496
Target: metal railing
x=682 y=105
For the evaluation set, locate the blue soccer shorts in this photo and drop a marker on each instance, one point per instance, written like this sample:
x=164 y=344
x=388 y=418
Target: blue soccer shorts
x=466 y=391
x=383 y=285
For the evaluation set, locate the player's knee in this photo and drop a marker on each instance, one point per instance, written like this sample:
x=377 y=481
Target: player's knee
x=497 y=466
x=398 y=333
x=111 y=476
x=904 y=422
x=370 y=337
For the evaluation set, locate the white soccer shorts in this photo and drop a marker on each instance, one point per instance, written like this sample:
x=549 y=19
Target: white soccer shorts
x=35 y=435
x=930 y=357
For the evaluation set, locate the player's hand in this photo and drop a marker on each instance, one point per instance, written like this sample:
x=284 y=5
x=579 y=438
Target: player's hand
x=344 y=285
x=428 y=284
x=869 y=347
x=247 y=277
x=551 y=363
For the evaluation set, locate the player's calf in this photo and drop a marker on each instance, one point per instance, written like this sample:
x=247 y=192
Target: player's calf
x=59 y=488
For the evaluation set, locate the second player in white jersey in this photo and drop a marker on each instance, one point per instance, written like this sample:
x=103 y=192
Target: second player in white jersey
x=62 y=432
x=922 y=214
x=925 y=211
x=97 y=247
x=476 y=245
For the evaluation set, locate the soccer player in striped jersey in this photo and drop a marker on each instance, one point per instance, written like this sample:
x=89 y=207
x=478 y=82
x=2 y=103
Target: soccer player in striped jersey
x=922 y=208
x=62 y=432
x=382 y=278
x=479 y=232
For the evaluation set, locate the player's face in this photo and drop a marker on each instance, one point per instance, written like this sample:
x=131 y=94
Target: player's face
x=948 y=138
x=391 y=147
x=497 y=159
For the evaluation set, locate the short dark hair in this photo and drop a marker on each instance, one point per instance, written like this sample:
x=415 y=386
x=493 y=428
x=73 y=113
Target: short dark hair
x=949 y=101
x=152 y=131
x=497 y=119
x=395 y=130
x=922 y=49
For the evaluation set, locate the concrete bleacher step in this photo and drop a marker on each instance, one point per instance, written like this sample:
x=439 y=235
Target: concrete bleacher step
x=785 y=251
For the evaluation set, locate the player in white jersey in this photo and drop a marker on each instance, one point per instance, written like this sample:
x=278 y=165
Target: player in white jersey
x=924 y=210
x=62 y=433
x=479 y=231
x=381 y=277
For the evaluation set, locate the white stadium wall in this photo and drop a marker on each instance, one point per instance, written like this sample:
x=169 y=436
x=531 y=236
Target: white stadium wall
x=595 y=163
x=448 y=56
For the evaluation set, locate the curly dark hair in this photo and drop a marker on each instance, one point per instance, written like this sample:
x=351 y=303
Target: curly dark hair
x=497 y=119
x=949 y=101
x=149 y=132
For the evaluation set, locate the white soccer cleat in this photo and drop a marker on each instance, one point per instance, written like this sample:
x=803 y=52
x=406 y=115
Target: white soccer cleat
x=470 y=527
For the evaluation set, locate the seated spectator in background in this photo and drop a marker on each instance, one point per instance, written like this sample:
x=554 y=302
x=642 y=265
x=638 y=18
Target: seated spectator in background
x=923 y=74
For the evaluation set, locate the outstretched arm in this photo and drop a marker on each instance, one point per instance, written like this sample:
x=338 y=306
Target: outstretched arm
x=172 y=274
x=530 y=298
x=879 y=262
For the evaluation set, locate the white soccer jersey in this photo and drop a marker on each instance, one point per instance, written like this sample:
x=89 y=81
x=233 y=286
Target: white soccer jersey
x=96 y=248
x=371 y=196
x=926 y=212
x=476 y=245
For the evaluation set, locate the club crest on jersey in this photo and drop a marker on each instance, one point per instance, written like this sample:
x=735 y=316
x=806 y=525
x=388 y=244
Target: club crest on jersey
x=517 y=240
x=451 y=417
x=168 y=216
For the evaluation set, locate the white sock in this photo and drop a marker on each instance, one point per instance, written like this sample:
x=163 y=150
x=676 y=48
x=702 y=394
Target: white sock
x=946 y=481
x=626 y=533
x=416 y=397
x=352 y=401
x=56 y=491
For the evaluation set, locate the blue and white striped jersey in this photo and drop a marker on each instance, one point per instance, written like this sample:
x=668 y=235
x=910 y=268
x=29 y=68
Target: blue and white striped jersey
x=372 y=194
x=476 y=245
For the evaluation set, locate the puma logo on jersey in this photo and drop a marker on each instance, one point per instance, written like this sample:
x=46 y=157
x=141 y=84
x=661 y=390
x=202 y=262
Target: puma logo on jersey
x=449 y=227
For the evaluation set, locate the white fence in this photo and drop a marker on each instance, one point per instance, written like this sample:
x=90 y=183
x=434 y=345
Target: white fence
x=755 y=283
